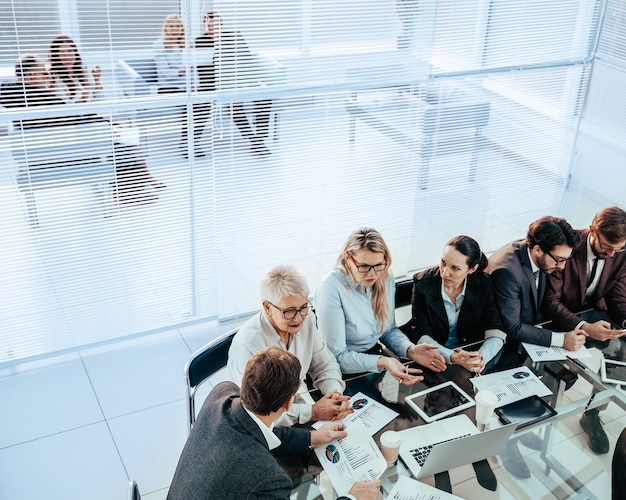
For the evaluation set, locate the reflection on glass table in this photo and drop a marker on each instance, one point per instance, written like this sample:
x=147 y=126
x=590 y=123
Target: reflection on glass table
x=562 y=468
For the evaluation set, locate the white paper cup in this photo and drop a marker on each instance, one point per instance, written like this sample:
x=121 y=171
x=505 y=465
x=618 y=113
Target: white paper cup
x=390 y=446
x=486 y=402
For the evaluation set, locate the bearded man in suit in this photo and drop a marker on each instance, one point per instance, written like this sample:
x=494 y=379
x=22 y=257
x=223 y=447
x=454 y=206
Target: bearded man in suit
x=590 y=294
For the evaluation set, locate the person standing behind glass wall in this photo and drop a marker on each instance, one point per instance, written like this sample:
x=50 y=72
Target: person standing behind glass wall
x=355 y=309
x=454 y=305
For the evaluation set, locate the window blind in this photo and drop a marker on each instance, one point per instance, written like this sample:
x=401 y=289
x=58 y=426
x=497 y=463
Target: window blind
x=297 y=122
x=599 y=164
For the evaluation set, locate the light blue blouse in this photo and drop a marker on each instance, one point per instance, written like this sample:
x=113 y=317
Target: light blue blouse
x=169 y=63
x=346 y=321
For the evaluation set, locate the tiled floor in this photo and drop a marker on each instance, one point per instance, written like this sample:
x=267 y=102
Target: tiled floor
x=80 y=426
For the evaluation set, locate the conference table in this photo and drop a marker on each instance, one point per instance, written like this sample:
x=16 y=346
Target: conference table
x=563 y=468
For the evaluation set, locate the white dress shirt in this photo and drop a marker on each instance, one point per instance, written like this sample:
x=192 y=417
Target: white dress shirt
x=307 y=345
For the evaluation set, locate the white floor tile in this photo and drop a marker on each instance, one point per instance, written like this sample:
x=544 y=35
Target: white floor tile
x=46 y=401
x=78 y=464
x=150 y=443
x=138 y=377
x=196 y=336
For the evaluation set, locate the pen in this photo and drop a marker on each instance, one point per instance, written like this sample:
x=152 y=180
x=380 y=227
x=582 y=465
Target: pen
x=576 y=362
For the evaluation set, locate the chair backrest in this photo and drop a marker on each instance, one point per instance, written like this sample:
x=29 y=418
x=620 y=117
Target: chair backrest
x=137 y=77
x=203 y=363
x=133 y=491
x=146 y=68
x=404 y=293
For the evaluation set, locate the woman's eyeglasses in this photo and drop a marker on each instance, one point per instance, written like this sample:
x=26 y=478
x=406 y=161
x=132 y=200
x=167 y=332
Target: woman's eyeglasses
x=291 y=313
x=366 y=268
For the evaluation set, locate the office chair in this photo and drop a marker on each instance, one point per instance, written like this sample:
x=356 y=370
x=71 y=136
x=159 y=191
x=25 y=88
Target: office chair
x=133 y=491
x=201 y=365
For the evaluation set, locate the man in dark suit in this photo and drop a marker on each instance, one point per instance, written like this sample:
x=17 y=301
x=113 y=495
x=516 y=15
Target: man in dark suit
x=594 y=281
x=233 y=67
x=518 y=273
x=618 y=469
x=227 y=455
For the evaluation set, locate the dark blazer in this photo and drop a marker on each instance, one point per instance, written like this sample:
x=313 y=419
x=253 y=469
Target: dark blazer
x=226 y=456
x=565 y=290
x=478 y=312
x=516 y=294
x=233 y=64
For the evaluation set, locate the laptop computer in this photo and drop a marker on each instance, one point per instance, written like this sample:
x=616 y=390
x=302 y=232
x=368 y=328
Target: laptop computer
x=449 y=443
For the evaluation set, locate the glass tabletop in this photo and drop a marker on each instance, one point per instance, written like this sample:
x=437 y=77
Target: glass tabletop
x=563 y=467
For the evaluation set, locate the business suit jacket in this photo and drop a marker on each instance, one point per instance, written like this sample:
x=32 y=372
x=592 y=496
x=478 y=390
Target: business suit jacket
x=478 y=312
x=226 y=456
x=565 y=290
x=517 y=296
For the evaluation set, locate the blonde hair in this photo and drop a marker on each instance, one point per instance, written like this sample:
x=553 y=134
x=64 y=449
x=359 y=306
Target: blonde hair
x=369 y=239
x=170 y=20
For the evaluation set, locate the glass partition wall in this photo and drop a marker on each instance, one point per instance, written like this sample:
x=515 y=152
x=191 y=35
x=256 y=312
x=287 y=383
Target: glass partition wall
x=293 y=125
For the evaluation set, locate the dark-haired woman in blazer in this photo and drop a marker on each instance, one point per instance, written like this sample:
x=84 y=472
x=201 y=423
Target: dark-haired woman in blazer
x=453 y=307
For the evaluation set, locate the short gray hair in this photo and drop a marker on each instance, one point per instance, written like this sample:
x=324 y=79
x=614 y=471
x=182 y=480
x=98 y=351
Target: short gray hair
x=281 y=282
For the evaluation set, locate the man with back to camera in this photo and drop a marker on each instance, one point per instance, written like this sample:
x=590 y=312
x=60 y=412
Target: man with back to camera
x=227 y=455
x=590 y=294
x=518 y=273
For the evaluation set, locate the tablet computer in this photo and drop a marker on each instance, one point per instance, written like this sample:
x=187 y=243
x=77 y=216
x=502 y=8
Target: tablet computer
x=525 y=412
x=613 y=371
x=439 y=401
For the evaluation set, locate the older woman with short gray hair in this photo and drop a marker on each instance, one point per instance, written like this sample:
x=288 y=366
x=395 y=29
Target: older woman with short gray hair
x=284 y=321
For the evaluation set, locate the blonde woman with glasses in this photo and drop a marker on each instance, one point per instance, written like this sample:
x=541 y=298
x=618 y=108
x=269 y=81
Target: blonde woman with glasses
x=355 y=312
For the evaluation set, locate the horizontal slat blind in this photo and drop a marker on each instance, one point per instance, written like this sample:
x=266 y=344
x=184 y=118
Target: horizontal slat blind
x=601 y=147
x=305 y=120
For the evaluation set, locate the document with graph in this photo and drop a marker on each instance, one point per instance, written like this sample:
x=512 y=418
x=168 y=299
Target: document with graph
x=553 y=353
x=511 y=385
x=372 y=414
x=353 y=458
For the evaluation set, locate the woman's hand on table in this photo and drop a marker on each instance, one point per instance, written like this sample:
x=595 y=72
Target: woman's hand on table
x=472 y=361
x=332 y=406
x=400 y=372
x=427 y=356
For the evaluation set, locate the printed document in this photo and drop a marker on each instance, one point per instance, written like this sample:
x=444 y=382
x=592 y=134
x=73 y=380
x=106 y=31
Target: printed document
x=410 y=489
x=353 y=458
x=511 y=385
x=373 y=415
x=553 y=353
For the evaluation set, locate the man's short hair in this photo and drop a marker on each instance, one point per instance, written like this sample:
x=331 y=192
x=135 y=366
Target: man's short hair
x=281 y=282
x=25 y=64
x=610 y=222
x=548 y=232
x=271 y=377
